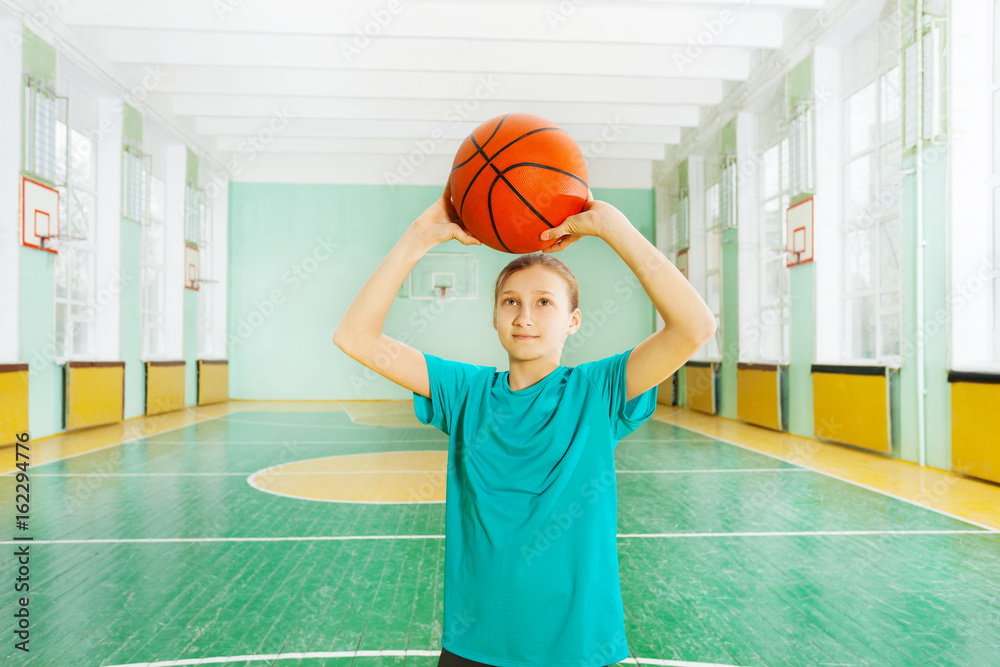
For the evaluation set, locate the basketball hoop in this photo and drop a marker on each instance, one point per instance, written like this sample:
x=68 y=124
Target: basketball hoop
x=48 y=240
x=442 y=292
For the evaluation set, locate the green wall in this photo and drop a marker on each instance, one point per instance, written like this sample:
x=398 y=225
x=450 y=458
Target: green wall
x=298 y=255
x=131 y=329
x=730 y=324
x=190 y=347
x=936 y=280
x=45 y=378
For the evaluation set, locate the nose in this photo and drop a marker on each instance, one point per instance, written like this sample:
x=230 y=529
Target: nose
x=523 y=316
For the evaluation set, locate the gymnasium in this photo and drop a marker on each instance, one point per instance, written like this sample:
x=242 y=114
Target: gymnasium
x=194 y=192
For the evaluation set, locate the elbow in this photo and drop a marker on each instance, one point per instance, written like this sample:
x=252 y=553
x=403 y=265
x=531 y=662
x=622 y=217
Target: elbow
x=707 y=331
x=340 y=340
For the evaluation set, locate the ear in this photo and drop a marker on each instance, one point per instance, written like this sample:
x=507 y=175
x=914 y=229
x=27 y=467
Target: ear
x=575 y=319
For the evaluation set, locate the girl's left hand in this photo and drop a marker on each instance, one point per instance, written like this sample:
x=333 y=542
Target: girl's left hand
x=596 y=219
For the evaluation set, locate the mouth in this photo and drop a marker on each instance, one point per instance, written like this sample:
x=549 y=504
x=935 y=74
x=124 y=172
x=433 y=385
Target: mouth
x=525 y=337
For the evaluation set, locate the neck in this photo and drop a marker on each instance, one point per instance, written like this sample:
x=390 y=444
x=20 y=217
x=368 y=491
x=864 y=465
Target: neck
x=525 y=373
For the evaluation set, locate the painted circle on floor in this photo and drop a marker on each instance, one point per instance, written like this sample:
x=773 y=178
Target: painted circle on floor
x=381 y=477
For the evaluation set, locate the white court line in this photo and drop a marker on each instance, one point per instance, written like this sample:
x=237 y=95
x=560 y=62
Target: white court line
x=348 y=412
x=328 y=538
x=368 y=654
x=712 y=471
x=116 y=444
x=668 y=441
x=376 y=472
x=851 y=481
x=292 y=442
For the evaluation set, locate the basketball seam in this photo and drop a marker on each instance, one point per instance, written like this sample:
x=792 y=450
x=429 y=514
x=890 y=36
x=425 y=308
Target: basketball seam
x=489 y=207
x=544 y=166
x=485 y=144
x=489 y=159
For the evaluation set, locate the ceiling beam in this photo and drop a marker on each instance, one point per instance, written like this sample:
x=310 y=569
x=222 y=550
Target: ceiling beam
x=394 y=84
x=419 y=54
x=404 y=147
x=266 y=129
x=726 y=24
x=430 y=110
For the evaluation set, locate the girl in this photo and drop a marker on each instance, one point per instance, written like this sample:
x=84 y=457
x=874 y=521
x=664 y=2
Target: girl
x=531 y=561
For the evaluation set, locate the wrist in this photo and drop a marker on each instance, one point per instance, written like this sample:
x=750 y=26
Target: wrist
x=418 y=239
x=616 y=229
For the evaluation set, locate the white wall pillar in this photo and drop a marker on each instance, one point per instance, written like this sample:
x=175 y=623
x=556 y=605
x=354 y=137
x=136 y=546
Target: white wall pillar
x=10 y=167
x=220 y=255
x=697 y=258
x=748 y=172
x=828 y=209
x=971 y=199
x=109 y=278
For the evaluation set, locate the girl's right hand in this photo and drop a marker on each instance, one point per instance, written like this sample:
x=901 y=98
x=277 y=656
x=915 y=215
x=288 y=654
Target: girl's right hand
x=440 y=222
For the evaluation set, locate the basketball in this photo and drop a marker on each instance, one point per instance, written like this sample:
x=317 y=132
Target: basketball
x=514 y=177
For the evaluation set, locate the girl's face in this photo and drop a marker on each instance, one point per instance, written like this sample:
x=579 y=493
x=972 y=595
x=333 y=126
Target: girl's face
x=532 y=317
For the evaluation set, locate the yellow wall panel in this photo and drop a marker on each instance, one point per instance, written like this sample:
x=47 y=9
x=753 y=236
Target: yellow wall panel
x=665 y=391
x=164 y=386
x=852 y=409
x=14 y=399
x=95 y=393
x=213 y=381
x=701 y=388
x=757 y=398
x=975 y=423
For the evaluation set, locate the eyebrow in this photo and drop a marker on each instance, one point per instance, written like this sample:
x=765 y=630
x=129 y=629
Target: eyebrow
x=537 y=291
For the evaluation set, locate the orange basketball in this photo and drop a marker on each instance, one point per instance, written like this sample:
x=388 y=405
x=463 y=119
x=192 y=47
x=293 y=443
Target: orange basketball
x=514 y=177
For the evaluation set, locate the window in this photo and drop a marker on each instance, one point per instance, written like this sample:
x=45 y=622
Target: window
x=152 y=308
x=679 y=224
x=713 y=265
x=800 y=147
x=206 y=288
x=135 y=185
x=772 y=283
x=995 y=180
x=727 y=194
x=194 y=209
x=871 y=229
x=44 y=134
x=996 y=269
x=774 y=292
x=76 y=264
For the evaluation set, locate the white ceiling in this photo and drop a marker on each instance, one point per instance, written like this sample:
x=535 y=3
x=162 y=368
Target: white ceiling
x=344 y=105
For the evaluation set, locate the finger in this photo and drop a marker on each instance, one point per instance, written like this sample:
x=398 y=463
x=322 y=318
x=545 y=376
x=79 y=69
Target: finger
x=590 y=195
x=557 y=246
x=468 y=239
x=565 y=242
x=447 y=190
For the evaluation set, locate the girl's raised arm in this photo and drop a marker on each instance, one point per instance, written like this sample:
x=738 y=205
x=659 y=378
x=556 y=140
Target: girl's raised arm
x=359 y=333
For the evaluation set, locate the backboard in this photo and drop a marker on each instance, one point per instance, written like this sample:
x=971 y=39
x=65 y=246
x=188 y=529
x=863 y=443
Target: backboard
x=39 y=214
x=445 y=275
x=682 y=262
x=799 y=221
x=190 y=267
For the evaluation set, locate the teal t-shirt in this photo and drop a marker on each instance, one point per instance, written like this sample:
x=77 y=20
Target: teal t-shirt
x=531 y=554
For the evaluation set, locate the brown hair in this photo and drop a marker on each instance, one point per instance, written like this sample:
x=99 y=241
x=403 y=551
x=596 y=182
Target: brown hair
x=538 y=259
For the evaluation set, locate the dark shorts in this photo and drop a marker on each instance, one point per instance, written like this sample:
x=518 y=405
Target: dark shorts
x=449 y=659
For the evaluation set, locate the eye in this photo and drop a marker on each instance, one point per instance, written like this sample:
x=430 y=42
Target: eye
x=507 y=299
x=545 y=300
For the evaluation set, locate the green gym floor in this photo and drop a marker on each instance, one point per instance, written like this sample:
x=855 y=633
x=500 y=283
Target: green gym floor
x=162 y=550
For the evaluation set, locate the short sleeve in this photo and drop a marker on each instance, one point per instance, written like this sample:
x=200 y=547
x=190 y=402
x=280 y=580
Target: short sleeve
x=449 y=382
x=608 y=375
